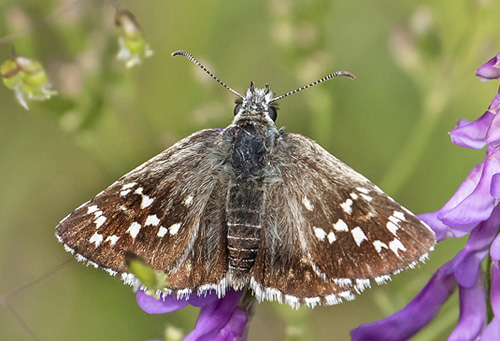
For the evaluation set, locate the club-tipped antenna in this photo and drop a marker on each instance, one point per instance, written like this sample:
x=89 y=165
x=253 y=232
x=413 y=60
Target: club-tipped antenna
x=191 y=58
x=330 y=76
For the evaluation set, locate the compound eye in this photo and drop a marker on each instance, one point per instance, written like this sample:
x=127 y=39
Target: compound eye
x=237 y=109
x=273 y=113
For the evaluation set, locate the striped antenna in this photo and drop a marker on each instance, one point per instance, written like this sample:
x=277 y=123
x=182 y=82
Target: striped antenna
x=191 y=58
x=330 y=76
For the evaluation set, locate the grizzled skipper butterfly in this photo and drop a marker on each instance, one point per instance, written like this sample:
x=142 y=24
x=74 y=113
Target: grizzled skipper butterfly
x=250 y=206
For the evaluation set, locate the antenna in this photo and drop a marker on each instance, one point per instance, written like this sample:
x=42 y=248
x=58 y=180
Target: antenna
x=330 y=76
x=191 y=58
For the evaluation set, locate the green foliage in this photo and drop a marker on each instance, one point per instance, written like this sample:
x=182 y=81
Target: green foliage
x=151 y=279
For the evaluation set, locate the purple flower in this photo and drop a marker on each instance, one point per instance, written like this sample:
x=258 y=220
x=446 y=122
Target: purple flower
x=490 y=70
x=484 y=130
x=223 y=319
x=472 y=203
x=420 y=311
x=492 y=330
x=473 y=210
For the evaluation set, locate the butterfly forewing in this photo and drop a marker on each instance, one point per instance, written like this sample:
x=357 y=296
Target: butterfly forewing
x=162 y=211
x=329 y=230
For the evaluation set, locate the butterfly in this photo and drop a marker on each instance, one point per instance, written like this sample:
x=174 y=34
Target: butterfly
x=250 y=207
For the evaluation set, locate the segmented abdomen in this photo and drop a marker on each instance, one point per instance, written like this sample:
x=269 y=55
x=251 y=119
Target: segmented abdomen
x=244 y=213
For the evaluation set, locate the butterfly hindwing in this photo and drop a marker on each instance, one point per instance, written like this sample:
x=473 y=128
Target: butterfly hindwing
x=329 y=231
x=164 y=212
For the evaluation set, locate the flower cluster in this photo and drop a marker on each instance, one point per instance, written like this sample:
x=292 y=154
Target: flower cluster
x=471 y=210
x=219 y=320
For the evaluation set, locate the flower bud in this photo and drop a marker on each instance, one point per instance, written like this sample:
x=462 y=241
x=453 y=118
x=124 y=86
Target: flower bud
x=490 y=70
x=27 y=78
x=133 y=46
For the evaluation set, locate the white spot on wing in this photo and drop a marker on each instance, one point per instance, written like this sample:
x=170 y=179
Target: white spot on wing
x=127 y=188
x=307 y=204
x=146 y=201
x=152 y=220
x=366 y=197
x=96 y=238
x=92 y=209
x=129 y=185
x=340 y=226
x=99 y=221
x=175 y=228
x=112 y=239
x=162 y=231
x=396 y=218
x=395 y=245
x=363 y=190
x=379 y=245
x=331 y=237
x=125 y=192
x=346 y=206
x=319 y=232
x=358 y=235
x=134 y=229
x=399 y=215
x=354 y=196
x=392 y=227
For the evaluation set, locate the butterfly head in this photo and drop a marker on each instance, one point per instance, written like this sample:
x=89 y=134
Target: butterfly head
x=256 y=103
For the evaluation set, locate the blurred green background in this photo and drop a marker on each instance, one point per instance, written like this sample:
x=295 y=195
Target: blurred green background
x=414 y=62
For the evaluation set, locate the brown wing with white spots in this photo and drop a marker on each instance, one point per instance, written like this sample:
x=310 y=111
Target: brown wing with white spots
x=156 y=212
x=329 y=231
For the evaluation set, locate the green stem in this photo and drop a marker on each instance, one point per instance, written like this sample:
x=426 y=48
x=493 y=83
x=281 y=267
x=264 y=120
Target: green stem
x=488 y=284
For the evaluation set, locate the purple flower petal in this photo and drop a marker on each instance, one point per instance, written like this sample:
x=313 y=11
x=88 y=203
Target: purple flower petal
x=434 y=219
x=163 y=305
x=472 y=134
x=235 y=328
x=495 y=186
x=490 y=70
x=492 y=331
x=495 y=104
x=468 y=261
x=214 y=317
x=419 y=312
x=467 y=265
x=201 y=301
x=495 y=288
x=435 y=224
x=493 y=136
x=479 y=204
x=472 y=312
x=495 y=248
